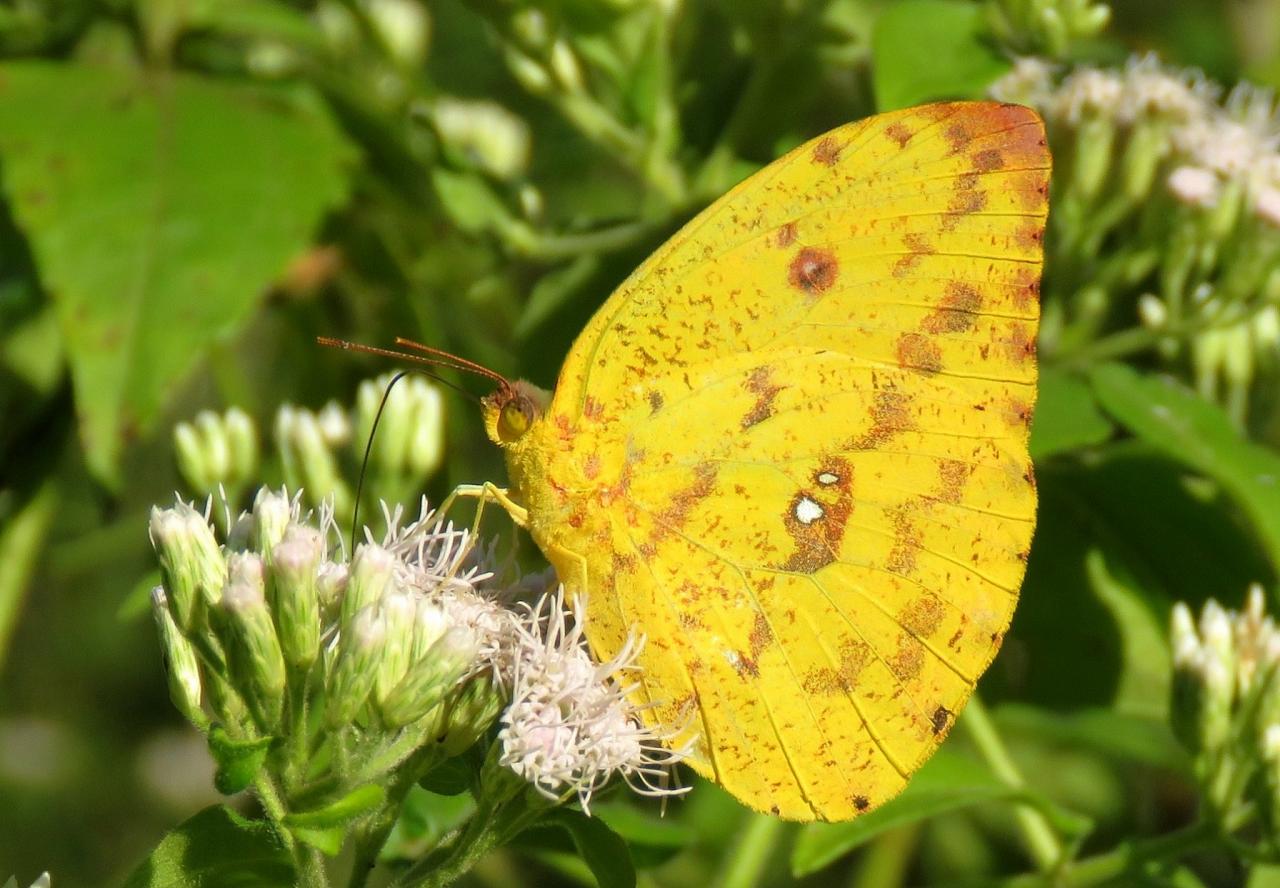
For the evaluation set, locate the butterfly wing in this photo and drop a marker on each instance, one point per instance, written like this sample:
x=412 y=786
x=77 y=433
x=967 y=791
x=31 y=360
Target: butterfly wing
x=792 y=450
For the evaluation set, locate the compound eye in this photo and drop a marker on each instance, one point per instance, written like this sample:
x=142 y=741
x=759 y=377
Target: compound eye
x=515 y=419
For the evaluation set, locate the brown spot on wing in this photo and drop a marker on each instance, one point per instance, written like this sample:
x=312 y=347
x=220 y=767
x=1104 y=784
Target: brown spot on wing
x=827 y=151
x=786 y=235
x=964 y=202
x=1020 y=344
x=861 y=803
x=921 y=616
x=941 y=720
x=818 y=542
x=813 y=270
x=853 y=657
x=899 y=134
x=957 y=136
x=906 y=543
x=956 y=311
x=1026 y=294
x=889 y=416
x=672 y=518
x=918 y=247
x=953 y=474
x=759 y=384
x=918 y=352
x=655 y=402
x=907 y=662
x=987 y=160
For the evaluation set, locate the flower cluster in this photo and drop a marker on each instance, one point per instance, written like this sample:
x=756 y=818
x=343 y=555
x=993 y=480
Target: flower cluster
x=321 y=450
x=570 y=725
x=1226 y=706
x=1166 y=219
x=315 y=674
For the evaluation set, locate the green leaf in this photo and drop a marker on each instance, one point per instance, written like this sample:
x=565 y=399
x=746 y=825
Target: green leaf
x=359 y=801
x=1120 y=538
x=1067 y=416
x=1125 y=738
x=469 y=201
x=451 y=777
x=553 y=290
x=239 y=761
x=948 y=782
x=216 y=848
x=603 y=851
x=932 y=49
x=1198 y=434
x=159 y=207
x=652 y=841
x=425 y=819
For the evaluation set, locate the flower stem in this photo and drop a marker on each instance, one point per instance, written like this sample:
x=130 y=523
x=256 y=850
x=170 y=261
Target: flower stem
x=1042 y=842
x=1123 y=860
x=747 y=862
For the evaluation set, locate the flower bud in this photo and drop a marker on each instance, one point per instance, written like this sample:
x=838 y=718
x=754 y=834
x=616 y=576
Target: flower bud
x=295 y=561
x=404 y=28
x=430 y=679
x=1152 y=311
x=335 y=426
x=181 y=664
x=486 y=133
x=1188 y=684
x=1148 y=144
x=398 y=615
x=242 y=444
x=1218 y=675
x=472 y=714
x=370 y=575
x=331 y=587
x=272 y=513
x=191 y=563
x=356 y=668
x=309 y=463
x=252 y=645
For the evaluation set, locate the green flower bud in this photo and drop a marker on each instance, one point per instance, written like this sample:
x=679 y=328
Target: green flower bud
x=331 y=588
x=487 y=134
x=531 y=75
x=309 y=463
x=242 y=444
x=430 y=679
x=295 y=601
x=1094 y=141
x=397 y=647
x=474 y=711
x=426 y=447
x=1148 y=145
x=217 y=449
x=356 y=668
x=404 y=28
x=564 y=64
x=429 y=623
x=1218 y=675
x=188 y=447
x=272 y=512
x=182 y=666
x=369 y=577
x=1269 y=803
x=191 y=563
x=256 y=661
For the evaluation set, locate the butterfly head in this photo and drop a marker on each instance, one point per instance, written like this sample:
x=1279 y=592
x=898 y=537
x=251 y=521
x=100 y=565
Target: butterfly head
x=512 y=410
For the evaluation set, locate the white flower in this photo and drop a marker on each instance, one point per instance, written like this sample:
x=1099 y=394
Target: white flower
x=1029 y=83
x=571 y=725
x=1194 y=186
x=1085 y=93
x=1149 y=88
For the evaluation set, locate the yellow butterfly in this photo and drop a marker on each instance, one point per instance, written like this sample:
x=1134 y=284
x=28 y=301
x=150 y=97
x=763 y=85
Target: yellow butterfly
x=791 y=450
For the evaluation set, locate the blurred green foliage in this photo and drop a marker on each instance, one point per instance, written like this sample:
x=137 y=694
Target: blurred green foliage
x=193 y=191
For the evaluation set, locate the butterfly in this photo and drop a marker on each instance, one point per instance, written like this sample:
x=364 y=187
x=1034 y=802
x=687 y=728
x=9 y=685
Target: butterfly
x=791 y=451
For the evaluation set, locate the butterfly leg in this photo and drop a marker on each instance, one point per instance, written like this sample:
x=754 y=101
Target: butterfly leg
x=486 y=493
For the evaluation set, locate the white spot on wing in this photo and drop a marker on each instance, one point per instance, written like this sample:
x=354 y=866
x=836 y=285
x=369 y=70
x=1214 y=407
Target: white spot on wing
x=807 y=510
x=827 y=478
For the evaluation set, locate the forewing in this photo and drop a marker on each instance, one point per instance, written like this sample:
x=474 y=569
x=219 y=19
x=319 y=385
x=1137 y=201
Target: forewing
x=796 y=440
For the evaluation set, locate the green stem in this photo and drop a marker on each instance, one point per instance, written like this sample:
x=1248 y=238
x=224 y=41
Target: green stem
x=311 y=869
x=480 y=836
x=1042 y=842
x=745 y=865
x=1124 y=859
